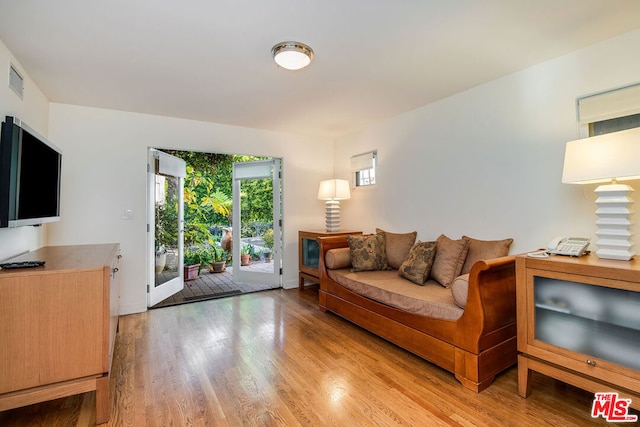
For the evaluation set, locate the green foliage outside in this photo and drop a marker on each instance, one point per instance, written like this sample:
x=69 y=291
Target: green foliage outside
x=166 y=233
x=208 y=200
x=268 y=238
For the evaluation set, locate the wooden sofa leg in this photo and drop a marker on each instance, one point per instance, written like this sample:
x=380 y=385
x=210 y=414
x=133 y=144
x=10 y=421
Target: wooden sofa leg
x=477 y=371
x=475 y=386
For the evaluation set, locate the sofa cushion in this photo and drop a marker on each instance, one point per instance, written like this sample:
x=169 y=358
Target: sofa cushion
x=397 y=246
x=387 y=287
x=485 y=249
x=450 y=256
x=367 y=252
x=417 y=266
x=460 y=290
x=338 y=258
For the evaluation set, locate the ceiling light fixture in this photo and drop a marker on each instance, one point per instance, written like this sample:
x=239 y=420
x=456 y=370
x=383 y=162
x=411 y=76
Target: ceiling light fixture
x=292 y=55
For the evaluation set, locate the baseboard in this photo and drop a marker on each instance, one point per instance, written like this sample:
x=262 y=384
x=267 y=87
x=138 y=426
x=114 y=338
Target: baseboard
x=290 y=284
x=131 y=309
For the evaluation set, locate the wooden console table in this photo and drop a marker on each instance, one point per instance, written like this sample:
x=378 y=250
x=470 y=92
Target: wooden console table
x=579 y=322
x=58 y=324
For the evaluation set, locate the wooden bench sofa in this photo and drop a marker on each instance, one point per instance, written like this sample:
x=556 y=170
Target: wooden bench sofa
x=475 y=347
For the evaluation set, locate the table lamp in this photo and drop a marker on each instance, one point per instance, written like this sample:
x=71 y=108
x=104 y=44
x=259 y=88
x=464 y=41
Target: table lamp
x=333 y=190
x=609 y=158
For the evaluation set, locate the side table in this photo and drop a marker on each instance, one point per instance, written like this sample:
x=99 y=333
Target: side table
x=309 y=253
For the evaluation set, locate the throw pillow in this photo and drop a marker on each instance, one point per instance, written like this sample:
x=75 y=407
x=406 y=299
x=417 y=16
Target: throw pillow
x=418 y=264
x=485 y=249
x=450 y=256
x=397 y=246
x=460 y=290
x=367 y=252
x=338 y=258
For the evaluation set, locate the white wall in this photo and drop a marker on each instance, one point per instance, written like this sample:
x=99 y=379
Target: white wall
x=34 y=110
x=488 y=162
x=104 y=172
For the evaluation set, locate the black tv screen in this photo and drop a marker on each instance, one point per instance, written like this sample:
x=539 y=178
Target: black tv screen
x=30 y=168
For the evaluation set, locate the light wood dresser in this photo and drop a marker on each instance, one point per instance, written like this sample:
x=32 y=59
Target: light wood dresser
x=58 y=324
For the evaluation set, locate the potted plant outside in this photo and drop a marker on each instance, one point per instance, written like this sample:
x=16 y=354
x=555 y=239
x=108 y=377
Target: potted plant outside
x=245 y=254
x=268 y=243
x=191 y=264
x=219 y=260
x=194 y=260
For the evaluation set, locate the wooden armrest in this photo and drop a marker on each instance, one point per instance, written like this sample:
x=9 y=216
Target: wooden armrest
x=326 y=244
x=491 y=301
x=332 y=242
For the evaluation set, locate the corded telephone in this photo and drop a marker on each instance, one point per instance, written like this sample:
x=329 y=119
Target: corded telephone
x=570 y=246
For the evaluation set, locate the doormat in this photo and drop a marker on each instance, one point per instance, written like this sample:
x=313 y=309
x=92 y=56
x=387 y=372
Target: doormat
x=212 y=296
x=197 y=298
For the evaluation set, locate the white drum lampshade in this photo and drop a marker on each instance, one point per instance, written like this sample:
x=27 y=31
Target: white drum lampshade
x=333 y=190
x=608 y=158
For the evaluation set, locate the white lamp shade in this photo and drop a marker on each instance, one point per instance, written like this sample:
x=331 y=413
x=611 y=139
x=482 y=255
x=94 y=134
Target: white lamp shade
x=603 y=158
x=334 y=189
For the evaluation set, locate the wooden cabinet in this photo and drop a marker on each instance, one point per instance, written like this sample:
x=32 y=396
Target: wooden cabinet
x=58 y=326
x=579 y=322
x=309 y=253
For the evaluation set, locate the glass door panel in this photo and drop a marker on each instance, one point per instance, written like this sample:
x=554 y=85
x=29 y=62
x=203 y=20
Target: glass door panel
x=256 y=188
x=596 y=320
x=166 y=223
x=167 y=226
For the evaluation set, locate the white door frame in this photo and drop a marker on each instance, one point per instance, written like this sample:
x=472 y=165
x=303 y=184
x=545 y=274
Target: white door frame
x=258 y=170
x=163 y=164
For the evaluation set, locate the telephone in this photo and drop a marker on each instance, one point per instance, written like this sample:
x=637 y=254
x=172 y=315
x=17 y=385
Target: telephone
x=570 y=246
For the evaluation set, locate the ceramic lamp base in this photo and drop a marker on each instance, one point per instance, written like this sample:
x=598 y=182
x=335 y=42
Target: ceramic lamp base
x=332 y=215
x=614 y=222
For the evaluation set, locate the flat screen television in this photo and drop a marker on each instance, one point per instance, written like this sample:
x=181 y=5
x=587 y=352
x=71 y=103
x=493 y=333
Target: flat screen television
x=30 y=168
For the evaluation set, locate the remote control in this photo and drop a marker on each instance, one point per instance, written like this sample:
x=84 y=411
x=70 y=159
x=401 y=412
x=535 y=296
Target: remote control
x=21 y=264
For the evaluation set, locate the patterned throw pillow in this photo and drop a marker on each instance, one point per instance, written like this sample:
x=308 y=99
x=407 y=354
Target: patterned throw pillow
x=418 y=264
x=367 y=252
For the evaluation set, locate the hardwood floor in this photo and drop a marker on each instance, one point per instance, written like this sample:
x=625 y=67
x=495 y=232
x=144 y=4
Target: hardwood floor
x=272 y=358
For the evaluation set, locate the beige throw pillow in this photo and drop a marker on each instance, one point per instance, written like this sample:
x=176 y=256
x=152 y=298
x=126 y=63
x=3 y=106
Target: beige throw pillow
x=450 y=256
x=397 y=246
x=485 y=249
x=367 y=252
x=460 y=290
x=338 y=258
x=418 y=264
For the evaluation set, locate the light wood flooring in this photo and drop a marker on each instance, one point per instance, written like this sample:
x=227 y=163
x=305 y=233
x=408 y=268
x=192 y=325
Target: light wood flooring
x=272 y=358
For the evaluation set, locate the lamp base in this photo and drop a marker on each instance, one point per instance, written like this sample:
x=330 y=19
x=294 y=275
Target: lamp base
x=614 y=222
x=332 y=215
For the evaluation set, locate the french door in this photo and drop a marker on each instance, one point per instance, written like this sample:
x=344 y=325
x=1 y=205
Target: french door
x=244 y=235
x=165 y=219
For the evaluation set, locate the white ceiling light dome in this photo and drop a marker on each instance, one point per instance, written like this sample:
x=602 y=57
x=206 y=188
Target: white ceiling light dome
x=292 y=55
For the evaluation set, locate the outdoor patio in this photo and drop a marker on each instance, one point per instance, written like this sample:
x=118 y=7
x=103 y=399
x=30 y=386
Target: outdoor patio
x=217 y=285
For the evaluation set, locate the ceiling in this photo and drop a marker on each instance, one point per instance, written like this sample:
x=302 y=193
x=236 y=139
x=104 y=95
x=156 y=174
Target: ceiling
x=210 y=60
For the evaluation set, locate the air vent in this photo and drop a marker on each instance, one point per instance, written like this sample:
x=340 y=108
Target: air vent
x=16 y=82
